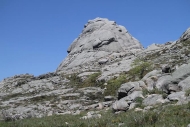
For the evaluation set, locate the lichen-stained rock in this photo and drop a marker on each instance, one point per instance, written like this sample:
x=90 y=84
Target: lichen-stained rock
x=99 y=39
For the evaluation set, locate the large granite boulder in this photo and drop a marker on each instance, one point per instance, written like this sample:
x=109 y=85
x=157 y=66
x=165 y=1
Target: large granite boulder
x=181 y=73
x=185 y=84
x=128 y=88
x=99 y=39
x=120 y=105
x=177 y=96
x=163 y=81
x=153 y=99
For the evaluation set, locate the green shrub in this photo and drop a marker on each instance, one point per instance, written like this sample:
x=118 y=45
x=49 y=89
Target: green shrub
x=74 y=79
x=95 y=96
x=139 y=101
x=139 y=69
x=90 y=81
x=113 y=85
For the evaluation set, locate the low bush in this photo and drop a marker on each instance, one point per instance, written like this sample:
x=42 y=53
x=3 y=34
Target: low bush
x=139 y=69
x=139 y=102
x=90 y=81
x=74 y=79
x=114 y=84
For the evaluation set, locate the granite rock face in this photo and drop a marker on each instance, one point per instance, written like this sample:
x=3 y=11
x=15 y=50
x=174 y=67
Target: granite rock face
x=99 y=40
x=102 y=34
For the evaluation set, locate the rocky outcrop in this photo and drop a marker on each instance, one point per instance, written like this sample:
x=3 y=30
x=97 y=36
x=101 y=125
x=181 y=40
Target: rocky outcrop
x=26 y=96
x=101 y=42
x=107 y=49
x=164 y=88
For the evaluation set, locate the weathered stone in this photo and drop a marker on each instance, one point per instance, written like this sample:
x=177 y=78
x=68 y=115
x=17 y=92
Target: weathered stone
x=150 y=83
x=150 y=74
x=120 y=105
x=128 y=88
x=133 y=96
x=100 y=105
x=132 y=105
x=181 y=73
x=172 y=88
x=102 y=61
x=152 y=99
x=185 y=84
x=177 y=96
x=163 y=81
x=169 y=83
x=108 y=98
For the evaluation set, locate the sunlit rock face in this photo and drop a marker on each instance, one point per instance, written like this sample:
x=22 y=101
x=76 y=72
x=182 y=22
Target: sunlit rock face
x=99 y=39
x=102 y=34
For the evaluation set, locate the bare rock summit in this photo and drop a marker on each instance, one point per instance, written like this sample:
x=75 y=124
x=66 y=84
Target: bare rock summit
x=99 y=40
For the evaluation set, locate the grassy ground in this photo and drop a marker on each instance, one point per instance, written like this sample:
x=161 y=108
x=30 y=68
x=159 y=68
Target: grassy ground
x=161 y=116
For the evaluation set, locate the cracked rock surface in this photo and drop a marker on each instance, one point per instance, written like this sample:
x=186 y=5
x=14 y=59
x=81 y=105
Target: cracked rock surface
x=99 y=40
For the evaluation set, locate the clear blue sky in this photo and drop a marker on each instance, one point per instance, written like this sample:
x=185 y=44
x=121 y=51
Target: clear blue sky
x=35 y=34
